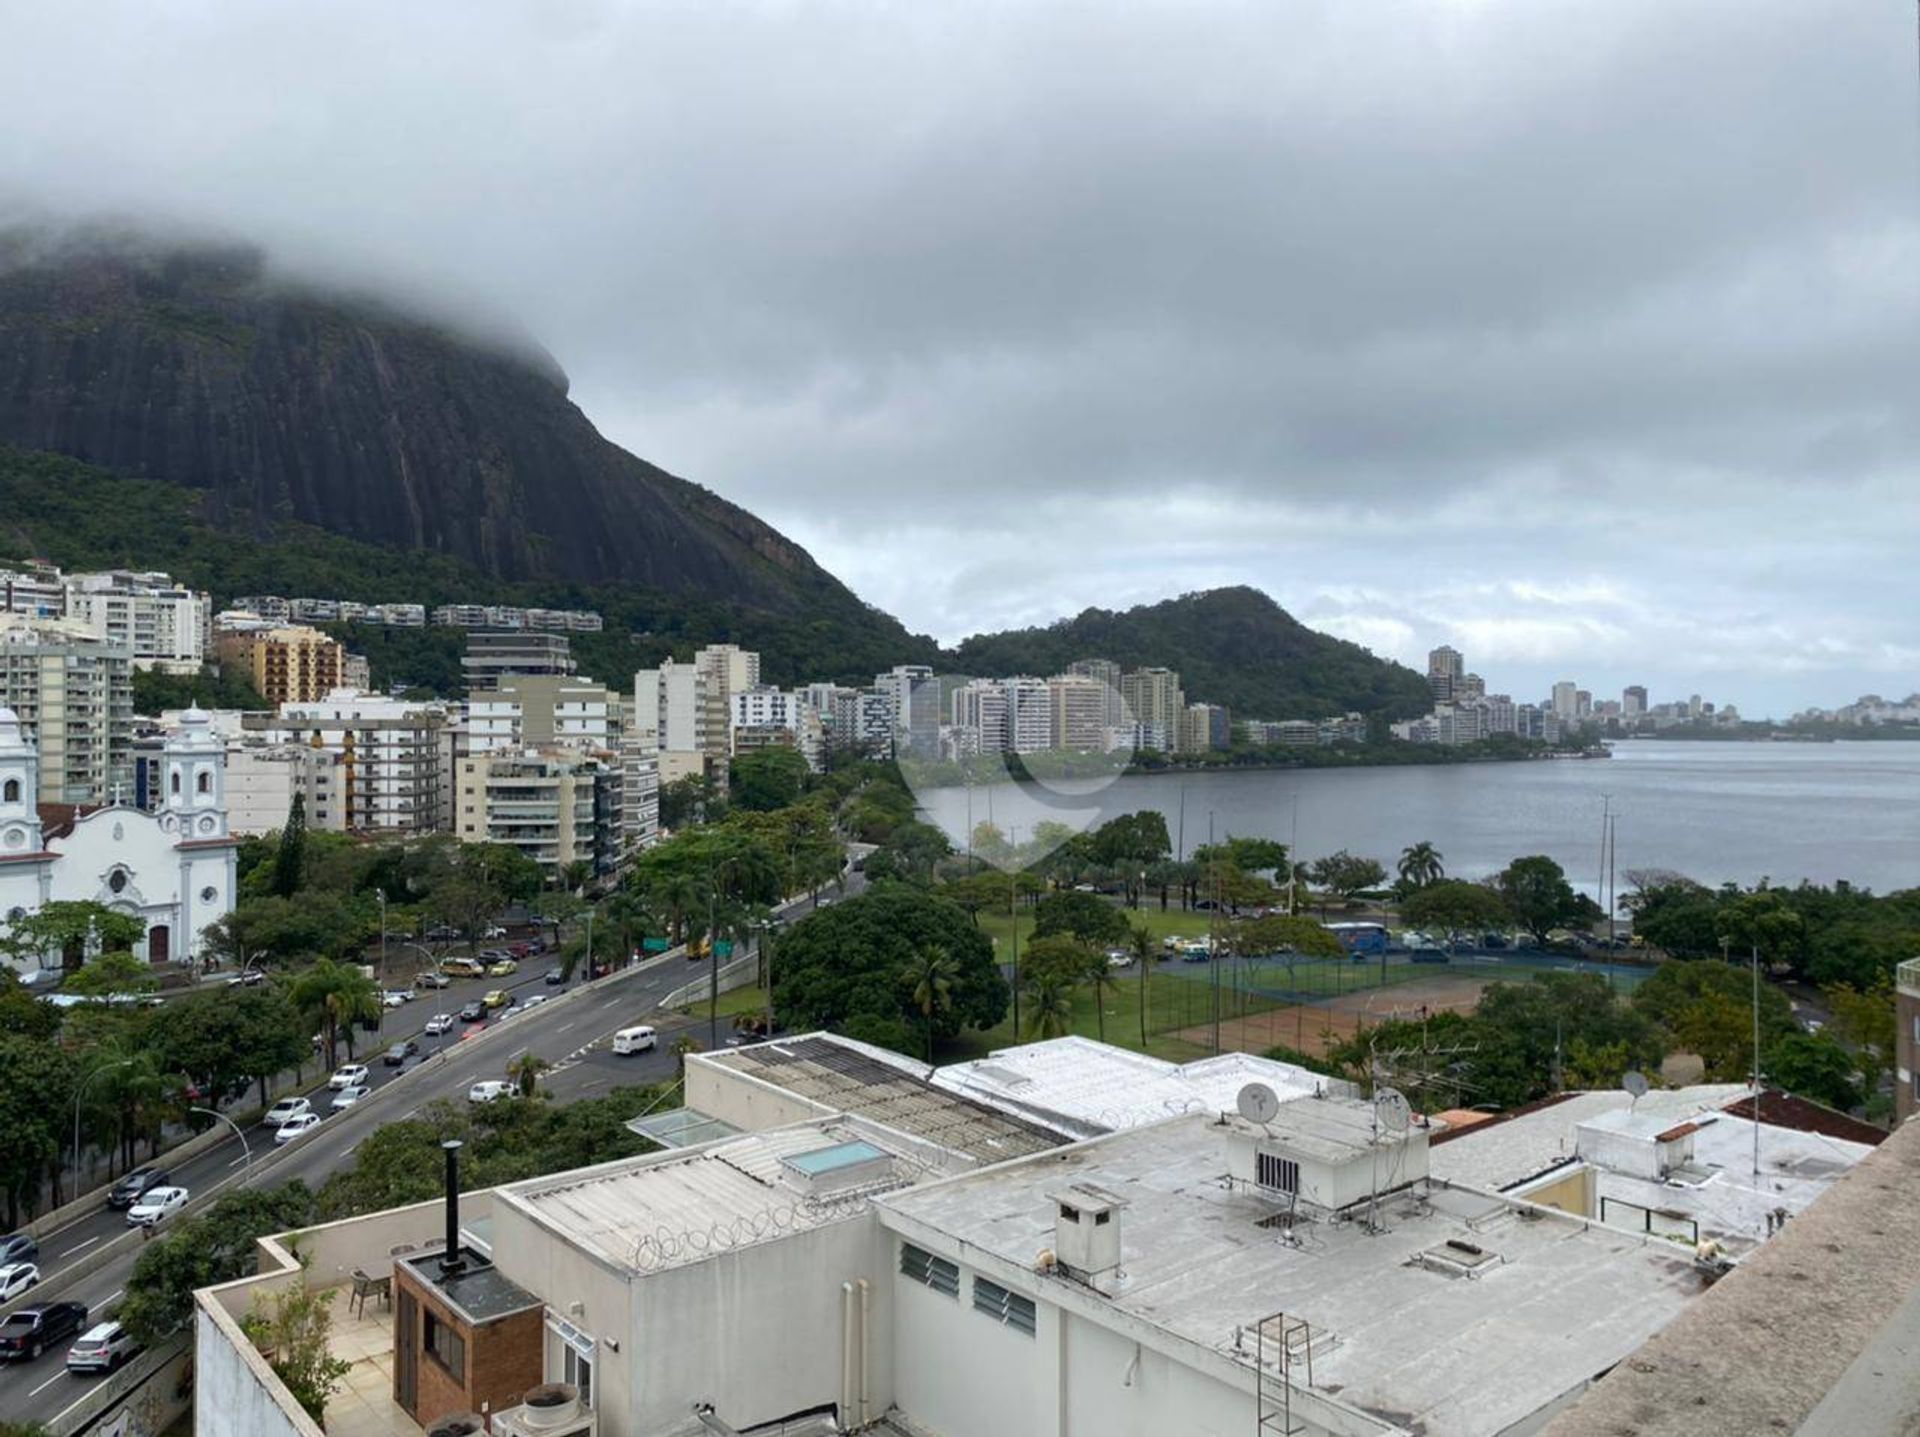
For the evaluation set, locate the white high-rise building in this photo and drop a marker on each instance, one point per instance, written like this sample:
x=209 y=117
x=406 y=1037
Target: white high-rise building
x=980 y=706
x=163 y=625
x=1445 y=668
x=913 y=700
x=1029 y=714
x=1566 y=700
x=395 y=775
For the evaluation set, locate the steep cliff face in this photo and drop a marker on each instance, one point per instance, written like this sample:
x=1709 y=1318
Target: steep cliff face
x=198 y=368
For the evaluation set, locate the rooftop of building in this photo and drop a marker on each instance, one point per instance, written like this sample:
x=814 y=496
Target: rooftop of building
x=1397 y=1325
x=671 y=1209
x=852 y=1077
x=1080 y=1087
x=1717 y=1194
x=1814 y=1334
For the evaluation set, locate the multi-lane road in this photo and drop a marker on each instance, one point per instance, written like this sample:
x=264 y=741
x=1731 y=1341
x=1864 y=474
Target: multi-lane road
x=573 y=1036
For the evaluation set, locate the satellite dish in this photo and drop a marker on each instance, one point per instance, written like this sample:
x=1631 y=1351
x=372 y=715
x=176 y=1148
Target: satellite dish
x=1636 y=1084
x=1393 y=1110
x=1258 y=1103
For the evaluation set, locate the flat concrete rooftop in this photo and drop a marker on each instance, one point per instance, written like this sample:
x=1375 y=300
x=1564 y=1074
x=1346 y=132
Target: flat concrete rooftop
x=1399 y=1327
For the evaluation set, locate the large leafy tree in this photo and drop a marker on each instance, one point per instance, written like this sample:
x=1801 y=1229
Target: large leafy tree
x=1707 y=1008
x=1087 y=916
x=767 y=779
x=223 y=1039
x=1814 y=1066
x=36 y=1099
x=215 y=1247
x=70 y=930
x=1536 y=890
x=110 y=976
x=839 y=968
x=1450 y=905
x=1344 y=874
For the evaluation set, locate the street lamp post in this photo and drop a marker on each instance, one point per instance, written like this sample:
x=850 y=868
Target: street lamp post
x=246 y=1149
x=381 y=894
x=78 y=1093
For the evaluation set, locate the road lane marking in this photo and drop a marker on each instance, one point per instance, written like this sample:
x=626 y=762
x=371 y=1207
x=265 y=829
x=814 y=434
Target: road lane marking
x=50 y=1381
x=82 y=1246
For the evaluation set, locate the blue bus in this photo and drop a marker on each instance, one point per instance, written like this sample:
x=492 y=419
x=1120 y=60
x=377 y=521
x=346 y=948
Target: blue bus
x=1361 y=940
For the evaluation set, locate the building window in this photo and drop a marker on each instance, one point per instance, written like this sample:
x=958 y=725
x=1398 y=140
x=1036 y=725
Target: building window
x=446 y=1347
x=204 y=783
x=13 y=790
x=117 y=880
x=924 y=1268
x=1278 y=1173
x=576 y=1357
x=1007 y=1308
x=174 y=783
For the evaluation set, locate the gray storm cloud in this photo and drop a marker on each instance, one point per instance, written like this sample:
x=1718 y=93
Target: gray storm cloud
x=1582 y=335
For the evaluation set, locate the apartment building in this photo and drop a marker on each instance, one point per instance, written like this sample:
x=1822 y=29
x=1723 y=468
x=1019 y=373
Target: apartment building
x=1204 y=727
x=556 y=806
x=640 y=798
x=1107 y=674
x=978 y=709
x=541 y=711
x=73 y=692
x=1083 y=709
x=164 y=625
x=263 y=779
x=496 y=658
x=1156 y=704
x=390 y=752
x=287 y=664
x=913 y=710
x=763 y=716
x=35 y=590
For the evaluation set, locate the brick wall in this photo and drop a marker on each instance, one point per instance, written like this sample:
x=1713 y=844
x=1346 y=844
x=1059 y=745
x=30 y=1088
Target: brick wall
x=504 y=1357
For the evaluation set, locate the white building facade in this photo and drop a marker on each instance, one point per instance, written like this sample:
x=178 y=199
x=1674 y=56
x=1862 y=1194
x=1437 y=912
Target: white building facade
x=172 y=869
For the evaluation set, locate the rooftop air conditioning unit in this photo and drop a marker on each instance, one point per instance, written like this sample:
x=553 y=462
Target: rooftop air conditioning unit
x=553 y=1410
x=460 y=1424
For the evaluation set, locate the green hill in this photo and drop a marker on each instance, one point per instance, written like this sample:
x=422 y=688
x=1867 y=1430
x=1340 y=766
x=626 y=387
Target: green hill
x=56 y=508
x=1231 y=646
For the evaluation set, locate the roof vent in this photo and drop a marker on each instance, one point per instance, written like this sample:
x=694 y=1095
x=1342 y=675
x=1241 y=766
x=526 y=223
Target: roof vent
x=1086 y=1232
x=840 y=1167
x=462 y=1424
x=553 y=1404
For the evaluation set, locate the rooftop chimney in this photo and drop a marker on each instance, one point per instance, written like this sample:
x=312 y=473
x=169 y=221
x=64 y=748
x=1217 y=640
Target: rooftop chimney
x=450 y=1259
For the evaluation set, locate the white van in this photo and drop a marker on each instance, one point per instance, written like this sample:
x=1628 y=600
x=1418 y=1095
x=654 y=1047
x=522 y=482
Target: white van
x=633 y=1040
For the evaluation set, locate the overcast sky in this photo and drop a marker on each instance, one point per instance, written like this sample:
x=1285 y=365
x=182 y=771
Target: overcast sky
x=1581 y=335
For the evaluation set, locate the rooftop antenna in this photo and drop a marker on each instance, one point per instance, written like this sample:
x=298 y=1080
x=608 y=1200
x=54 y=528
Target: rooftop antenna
x=1635 y=1082
x=1392 y=1112
x=1258 y=1103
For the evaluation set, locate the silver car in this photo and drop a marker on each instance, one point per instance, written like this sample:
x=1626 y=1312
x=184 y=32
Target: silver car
x=101 y=1348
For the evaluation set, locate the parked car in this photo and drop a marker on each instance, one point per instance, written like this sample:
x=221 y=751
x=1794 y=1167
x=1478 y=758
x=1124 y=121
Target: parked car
x=533 y=1002
x=430 y=979
x=442 y=933
x=156 y=1205
x=131 y=1188
x=1493 y=941
x=286 y=1110
x=101 y=1348
x=489 y=1091
x=19 y=1247
x=519 y=950
x=438 y=1024
x=295 y=1127
x=502 y=968
x=496 y=998
x=474 y=1012
x=246 y=978
x=489 y=955
x=32 y=1330
x=496 y=931
x=395 y=997
x=16 y=1278
x=347 y=1097
x=397 y=1055
x=462 y=967
x=352 y=1075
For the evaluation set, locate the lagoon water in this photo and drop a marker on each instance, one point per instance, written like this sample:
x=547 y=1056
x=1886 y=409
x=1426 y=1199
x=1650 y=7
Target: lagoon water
x=1713 y=811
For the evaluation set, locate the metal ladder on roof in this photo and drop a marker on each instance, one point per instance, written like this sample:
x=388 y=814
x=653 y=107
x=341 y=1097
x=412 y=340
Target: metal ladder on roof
x=1282 y=1350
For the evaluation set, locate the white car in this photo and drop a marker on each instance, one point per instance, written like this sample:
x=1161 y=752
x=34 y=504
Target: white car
x=16 y=1279
x=347 y=1097
x=490 y=1091
x=246 y=978
x=295 y=1127
x=353 y=1075
x=534 y=1002
x=395 y=997
x=494 y=932
x=286 y=1110
x=158 y=1205
x=439 y=1023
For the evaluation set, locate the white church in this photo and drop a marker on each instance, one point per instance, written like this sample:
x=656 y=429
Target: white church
x=173 y=869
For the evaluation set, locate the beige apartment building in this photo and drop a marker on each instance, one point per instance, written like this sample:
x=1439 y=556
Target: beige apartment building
x=291 y=664
x=556 y=806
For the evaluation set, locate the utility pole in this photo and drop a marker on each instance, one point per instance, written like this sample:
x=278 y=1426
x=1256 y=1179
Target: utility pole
x=1755 y=950
x=1213 y=927
x=1013 y=918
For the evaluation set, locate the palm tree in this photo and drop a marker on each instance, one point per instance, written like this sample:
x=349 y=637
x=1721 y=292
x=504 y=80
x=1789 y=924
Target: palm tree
x=1049 y=1005
x=332 y=994
x=524 y=1072
x=1420 y=864
x=1099 y=977
x=1140 y=945
x=933 y=974
x=680 y=894
x=577 y=874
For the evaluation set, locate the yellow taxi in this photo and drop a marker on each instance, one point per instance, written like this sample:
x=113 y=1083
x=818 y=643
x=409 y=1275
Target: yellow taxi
x=496 y=998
